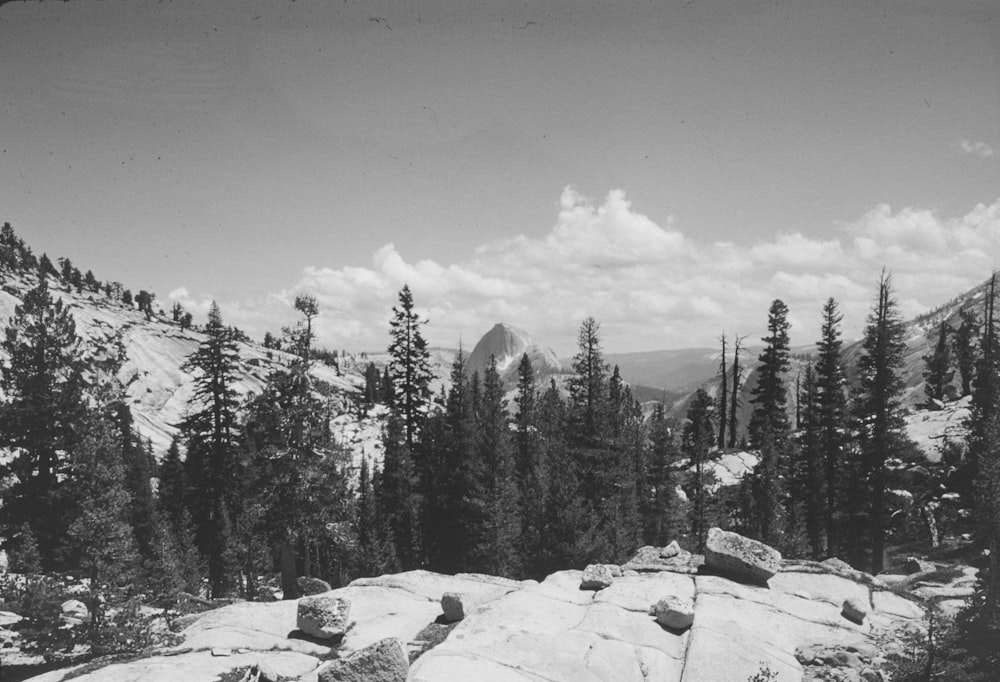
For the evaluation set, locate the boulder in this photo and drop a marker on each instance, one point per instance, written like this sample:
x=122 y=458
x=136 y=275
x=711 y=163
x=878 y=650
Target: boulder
x=855 y=610
x=74 y=612
x=324 y=617
x=453 y=606
x=674 y=612
x=383 y=661
x=599 y=576
x=671 y=550
x=733 y=555
x=309 y=586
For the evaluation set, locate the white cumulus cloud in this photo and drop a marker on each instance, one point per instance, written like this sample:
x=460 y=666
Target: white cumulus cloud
x=976 y=148
x=647 y=282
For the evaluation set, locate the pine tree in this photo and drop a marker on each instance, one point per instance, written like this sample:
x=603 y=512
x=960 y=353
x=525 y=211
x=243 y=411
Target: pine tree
x=812 y=486
x=964 y=342
x=398 y=496
x=662 y=515
x=770 y=395
x=723 y=395
x=212 y=464
x=734 y=400
x=769 y=427
x=40 y=417
x=409 y=367
x=831 y=413
x=938 y=375
x=698 y=438
x=502 y=528
x=531 y=467
x=589 y=384
x=878 y=408
x=375 y=555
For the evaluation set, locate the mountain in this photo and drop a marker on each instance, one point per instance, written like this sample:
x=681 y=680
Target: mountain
x=508 y=344
x=147 y=354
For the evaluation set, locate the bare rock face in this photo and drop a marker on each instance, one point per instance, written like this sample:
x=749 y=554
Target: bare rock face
x=599 y=576
x=674 y=612
x=733 y=555
x=324 y=617
x=383 y=661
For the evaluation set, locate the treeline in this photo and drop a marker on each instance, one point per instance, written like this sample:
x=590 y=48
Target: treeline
x=16 y=255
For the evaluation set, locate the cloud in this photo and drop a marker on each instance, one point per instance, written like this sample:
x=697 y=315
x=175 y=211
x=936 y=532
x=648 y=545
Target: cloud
x=980 y=149
x=647 y=282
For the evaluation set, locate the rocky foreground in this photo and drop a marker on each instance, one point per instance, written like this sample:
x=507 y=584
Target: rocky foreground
x=664 y=615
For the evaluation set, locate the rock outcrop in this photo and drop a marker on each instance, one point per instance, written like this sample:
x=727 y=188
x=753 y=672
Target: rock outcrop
x=323 y=616
x=662 y=624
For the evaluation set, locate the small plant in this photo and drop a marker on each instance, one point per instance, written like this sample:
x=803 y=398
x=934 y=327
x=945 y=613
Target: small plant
x=764 y=674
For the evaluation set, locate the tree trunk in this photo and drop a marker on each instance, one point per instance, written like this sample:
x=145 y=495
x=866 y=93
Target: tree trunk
x=289 y=577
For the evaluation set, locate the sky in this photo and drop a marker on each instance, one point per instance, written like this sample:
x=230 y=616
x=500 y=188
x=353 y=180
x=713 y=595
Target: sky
x=666 y=168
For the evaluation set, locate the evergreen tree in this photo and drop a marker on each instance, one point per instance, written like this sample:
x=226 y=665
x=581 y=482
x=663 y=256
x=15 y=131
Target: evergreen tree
x=964 y=342
x=212 y=464
x=589 y=384
x=626 y=477
x=501 y=532
x=375 y=555
x=734 y=400
x=398 y=496
x=770 y=395
x=723 y=395
x=409 y=367
x=878 y=408
x=39 y=419
x=938 y=375
x=812 y=486
x=127 y=298
x=830 y=416
x=532 y=470
x=91 y=282
x=46 y=268
x=698 y=439
x=769 y=427
x=662 y=514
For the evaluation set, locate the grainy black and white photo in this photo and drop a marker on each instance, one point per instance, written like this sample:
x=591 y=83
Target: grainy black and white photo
x=449 y=341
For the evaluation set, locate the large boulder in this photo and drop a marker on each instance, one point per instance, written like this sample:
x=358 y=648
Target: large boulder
x=383 y=661
x=74 y=612
x=323 y=616
x=733 y=555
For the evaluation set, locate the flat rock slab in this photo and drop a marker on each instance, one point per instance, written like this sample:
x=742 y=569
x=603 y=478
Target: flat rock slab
x=198 y=666
x=323 y=616
x=671 y=559
x=383 y=661
x=733 y=555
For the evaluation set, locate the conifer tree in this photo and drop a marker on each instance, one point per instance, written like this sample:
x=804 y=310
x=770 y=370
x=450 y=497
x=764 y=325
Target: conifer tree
x=769 y=427
x=589 y=385
x=938 y=373
x=501 y=531
x=812 y=487
x=375 y=555
x=39 y=420
x=409 y=367
x=212 y=464
x=565 y=533
x=878 y=408
x=398 y=495
x=770 y=395
x=626 y=476
x=46 y=268
x=698 y=439
x=662 y=514
x=964 y=342
x=831 y=413
x=734 y=400
x=723 y=395
x=531 y=467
